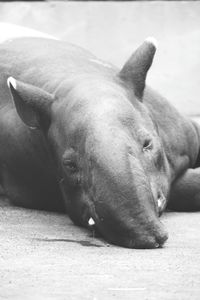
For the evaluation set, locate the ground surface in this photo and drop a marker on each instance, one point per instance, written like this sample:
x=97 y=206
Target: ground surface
x=44 y=256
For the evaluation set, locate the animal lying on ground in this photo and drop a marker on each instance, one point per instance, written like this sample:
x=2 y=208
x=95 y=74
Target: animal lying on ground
x=79 y=135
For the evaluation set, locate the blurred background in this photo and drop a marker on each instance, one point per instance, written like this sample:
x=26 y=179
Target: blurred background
x=112 y=30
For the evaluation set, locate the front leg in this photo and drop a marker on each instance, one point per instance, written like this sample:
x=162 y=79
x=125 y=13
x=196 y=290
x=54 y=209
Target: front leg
x=185 y=192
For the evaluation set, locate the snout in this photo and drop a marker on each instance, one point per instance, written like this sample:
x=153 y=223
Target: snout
x=129 y=234
x=151 y=238
x=129 y=226
x=133 y=224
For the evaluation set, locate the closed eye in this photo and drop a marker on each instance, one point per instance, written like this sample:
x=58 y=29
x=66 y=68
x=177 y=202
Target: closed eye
x=70 y=165
x=148 y=145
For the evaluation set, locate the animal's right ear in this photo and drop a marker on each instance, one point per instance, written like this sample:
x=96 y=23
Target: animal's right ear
x=32 y=104
x=135 y=69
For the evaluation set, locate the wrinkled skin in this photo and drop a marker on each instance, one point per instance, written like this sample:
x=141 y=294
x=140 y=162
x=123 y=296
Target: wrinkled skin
x=86 y=137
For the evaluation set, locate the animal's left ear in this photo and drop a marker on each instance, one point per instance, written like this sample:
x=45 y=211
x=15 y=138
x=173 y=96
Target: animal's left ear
x=32 y=103
x=136 y=68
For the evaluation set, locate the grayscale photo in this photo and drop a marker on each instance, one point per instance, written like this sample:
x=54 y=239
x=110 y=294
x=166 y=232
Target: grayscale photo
x=100 y=150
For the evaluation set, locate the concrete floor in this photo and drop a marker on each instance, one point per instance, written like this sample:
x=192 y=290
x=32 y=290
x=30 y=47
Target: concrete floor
x=44 y=256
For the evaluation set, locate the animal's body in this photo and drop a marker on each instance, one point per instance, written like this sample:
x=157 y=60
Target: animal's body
x=84 y=137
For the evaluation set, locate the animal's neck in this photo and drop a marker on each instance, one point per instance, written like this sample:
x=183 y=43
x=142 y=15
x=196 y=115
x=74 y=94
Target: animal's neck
x=197 y=142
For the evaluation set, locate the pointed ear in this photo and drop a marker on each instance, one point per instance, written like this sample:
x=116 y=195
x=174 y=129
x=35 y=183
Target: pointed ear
x=136 y=68
x=32 y=104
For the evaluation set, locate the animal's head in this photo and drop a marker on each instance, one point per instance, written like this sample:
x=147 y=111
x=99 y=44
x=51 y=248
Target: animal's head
x=110 y=159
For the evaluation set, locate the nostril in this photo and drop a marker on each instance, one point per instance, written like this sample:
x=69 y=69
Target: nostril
x=161 y=239
x=150 y=240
